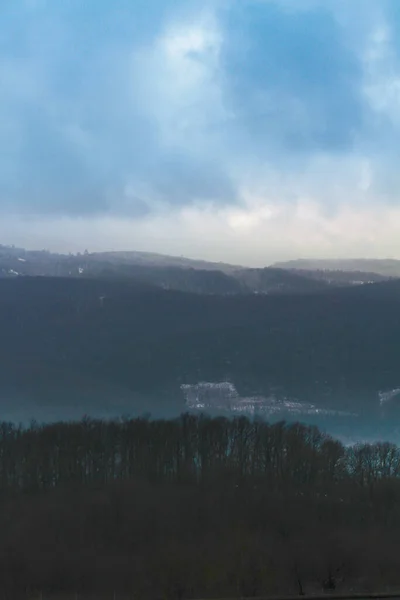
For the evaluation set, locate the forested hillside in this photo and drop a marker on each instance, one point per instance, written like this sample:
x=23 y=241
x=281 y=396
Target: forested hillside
x=386 y=267
x=340 y=278
x=67 y=336
x=177 y=273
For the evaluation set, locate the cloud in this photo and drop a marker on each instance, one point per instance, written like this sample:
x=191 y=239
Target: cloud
x=253 y=128
x=256 y=234
x=290 y=80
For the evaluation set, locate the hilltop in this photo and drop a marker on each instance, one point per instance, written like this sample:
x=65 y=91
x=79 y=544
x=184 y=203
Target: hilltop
x=384 y=267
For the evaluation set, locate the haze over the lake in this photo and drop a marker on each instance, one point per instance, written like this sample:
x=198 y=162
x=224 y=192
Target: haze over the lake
x=244 y=131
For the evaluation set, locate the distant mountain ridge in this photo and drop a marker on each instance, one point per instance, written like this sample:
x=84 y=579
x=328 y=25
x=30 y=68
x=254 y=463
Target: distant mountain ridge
x=152 y=259
x=46 y=260
x=166 y=272
x=179 y=273
x=385 y=267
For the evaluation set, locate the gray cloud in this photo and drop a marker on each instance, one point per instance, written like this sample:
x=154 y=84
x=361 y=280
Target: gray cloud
x=290 y=79
x=217 y=111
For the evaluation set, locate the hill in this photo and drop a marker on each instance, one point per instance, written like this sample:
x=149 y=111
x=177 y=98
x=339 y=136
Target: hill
x=153 y=259
x=107 y=344
x=165 y=272
x=384 y=267
x=43 y=262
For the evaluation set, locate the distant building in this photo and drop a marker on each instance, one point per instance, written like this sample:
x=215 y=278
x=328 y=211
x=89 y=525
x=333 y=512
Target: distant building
x=210 y=395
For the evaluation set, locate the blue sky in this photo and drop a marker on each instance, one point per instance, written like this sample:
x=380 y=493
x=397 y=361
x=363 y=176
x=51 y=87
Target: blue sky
x=243 y=130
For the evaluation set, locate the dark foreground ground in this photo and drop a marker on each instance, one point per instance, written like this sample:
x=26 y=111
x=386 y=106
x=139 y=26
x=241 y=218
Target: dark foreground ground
x=116 y=596
x=194 y=508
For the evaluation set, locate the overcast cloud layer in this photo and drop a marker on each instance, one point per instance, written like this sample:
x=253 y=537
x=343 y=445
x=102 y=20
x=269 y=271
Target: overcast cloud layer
x=239 y=130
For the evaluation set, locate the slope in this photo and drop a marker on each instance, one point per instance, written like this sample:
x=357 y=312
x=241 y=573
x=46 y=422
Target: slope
x=165 y=272
x=65 y=337
x=384 y=267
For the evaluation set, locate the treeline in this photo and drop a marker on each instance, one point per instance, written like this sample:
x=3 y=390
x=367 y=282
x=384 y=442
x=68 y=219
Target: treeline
x=195 y=507
x=191 y=449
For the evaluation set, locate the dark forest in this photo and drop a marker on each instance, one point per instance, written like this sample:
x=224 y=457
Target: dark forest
x=337 y=348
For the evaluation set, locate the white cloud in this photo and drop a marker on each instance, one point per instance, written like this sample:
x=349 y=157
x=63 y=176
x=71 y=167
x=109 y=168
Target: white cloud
x=257 y=234
x=177 y=81
x=382 y=72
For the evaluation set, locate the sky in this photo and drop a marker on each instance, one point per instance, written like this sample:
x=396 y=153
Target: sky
x=246 y=131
